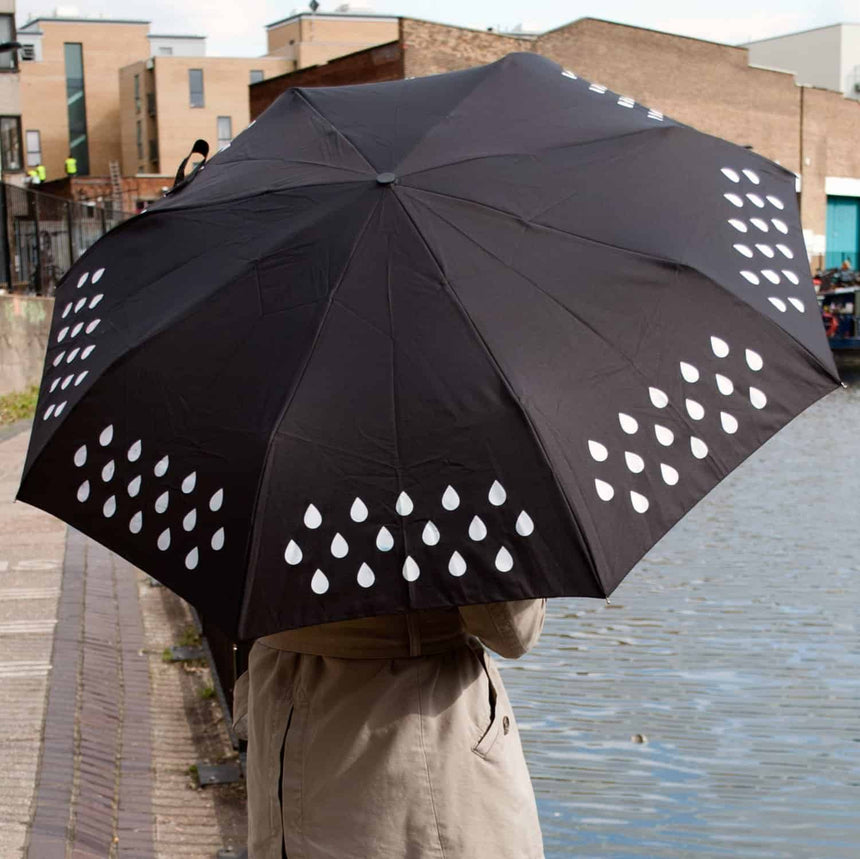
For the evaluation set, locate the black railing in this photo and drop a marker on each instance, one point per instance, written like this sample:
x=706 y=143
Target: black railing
x=41 y=236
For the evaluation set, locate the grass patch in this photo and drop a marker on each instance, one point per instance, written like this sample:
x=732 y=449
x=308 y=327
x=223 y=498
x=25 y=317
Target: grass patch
x=207 y=692
x=18 y=405
x=190 y=637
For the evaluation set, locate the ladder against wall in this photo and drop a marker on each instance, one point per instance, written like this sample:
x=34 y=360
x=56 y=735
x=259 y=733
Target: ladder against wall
x=116 y=186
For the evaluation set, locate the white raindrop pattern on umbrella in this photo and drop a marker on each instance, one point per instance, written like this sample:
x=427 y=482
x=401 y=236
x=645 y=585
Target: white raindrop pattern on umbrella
x=435 y=525
x=767 y=258
x=623 y=101
x=80 y=320
x=112 y=475
x=634 y=443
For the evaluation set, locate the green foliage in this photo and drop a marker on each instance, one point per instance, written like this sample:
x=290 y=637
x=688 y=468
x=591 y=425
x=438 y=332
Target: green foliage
x=18 y=405
x=207 y=692
x=189 y=638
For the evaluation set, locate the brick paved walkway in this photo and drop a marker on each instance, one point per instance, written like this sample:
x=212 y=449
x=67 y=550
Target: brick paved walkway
x=100 y=731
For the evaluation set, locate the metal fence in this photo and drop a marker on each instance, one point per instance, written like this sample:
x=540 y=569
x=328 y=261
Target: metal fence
x=41 y=236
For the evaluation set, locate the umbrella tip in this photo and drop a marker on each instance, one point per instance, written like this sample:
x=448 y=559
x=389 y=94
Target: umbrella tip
x=386 y=179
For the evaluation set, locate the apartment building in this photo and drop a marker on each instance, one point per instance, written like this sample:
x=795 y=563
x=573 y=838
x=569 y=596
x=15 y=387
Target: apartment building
x=11 y=149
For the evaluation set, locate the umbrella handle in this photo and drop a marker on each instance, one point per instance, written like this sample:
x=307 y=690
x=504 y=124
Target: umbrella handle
x=201 y=147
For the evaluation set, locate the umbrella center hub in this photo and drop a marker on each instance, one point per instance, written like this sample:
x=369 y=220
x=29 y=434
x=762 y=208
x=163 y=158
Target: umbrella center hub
x=386 y=179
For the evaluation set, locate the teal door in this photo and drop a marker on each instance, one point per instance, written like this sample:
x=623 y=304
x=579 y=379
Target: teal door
x=843 y=231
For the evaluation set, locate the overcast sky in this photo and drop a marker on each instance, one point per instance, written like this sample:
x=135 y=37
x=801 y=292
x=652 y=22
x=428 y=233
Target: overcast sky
x=235 y=27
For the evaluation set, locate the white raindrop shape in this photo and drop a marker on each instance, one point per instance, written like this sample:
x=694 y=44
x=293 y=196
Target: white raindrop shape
x=689 y=372
x=83 y=279
x=108 y=471
x=751 y=175
x=780 y=225
x=87 y=352
x=134 y=451
x=192 y=559
x=164 y=540
x=161 y=466
x=96 y=299
x=759 y=224
x=80 y=303
x=430 y=535
x=730 y=174
x=81 y=456
x=109 y=507
x=744 y=250
x=525 y=526
x=58 y=360
x=751 y=276
x=93 y=325
x=77 y=329
x=797 y=304
x=217 y=541
x=54 y=385
x=791 y=276
x=767 y=250
x=734 y=199
x=384 y=540
x=216 y=501
x=724 y=384
x=313 y=517
x=358 y=511
x=135 y=524
x=477 y=529
x=189 y=521
x=659 y=398
x=695 y=410
x=339 y=547
x=504 y=560
x=134 y=486
x=189 y=482
x=84 y=491
x=786 y=251
x=106 y=436
x=67 y=381
x=81 y=377
x=48 y=412
x=404 y=505
x=719 y=347
x=457 y=565
x=698 y=447
x=67 y=310
x=771 y=275
x=739 y=225
x=755 y=200
x=669 y=474
x=598 y=451
x=62 y=334
x=60 y=408
x=729 y=423
x=778 y=303
x=293 y=554
x=605 y=491
x=775 y=201
x=411 y=570
x=450 y=499
x=640 y=502
x=365 y=576
x=628 y=424
x=162 y=502
x=664 y=435
x=497 y=495
x=754 y=360
x=758 y=398
x=634 y=462
x=626 y=101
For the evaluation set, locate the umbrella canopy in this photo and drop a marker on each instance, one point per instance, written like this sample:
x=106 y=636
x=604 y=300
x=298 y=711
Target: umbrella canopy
x=475 y=337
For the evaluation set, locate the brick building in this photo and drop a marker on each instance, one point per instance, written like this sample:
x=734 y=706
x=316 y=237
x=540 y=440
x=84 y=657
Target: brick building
x=711 y=86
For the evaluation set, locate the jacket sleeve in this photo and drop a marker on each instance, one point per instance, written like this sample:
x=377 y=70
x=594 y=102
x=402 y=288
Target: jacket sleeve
x=509 y=628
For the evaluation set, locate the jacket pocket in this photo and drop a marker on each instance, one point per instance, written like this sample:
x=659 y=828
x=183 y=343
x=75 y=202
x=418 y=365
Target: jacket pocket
x=485 y=744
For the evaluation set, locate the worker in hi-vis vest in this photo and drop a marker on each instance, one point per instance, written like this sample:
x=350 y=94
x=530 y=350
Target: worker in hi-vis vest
x=71 y=166
x=41 y=172
x=33 y=176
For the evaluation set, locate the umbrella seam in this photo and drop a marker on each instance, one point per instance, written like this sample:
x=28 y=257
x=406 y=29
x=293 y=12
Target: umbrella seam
x=514 y=396
x=254 y=543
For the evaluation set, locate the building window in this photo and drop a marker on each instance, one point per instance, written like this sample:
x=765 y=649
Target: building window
x=165 y=51
x=256 y=76
x=76 y=105
x=137 y=93
x=34 y=148
x=10 y=142
x=8 y=59
x=28 y=52
x=150 y=103
x=140 y=140
x=153 y=153
x=195 y=87
x=225 y=132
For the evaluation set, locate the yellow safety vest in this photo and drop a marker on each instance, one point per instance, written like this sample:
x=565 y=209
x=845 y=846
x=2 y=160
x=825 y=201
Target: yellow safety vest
x=41 y=172
x=71 y=166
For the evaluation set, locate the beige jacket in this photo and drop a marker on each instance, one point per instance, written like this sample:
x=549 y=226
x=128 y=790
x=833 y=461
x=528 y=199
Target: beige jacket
x=389 y=738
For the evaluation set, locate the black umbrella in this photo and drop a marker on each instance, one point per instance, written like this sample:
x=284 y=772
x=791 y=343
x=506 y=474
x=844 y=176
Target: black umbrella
x=474 y=337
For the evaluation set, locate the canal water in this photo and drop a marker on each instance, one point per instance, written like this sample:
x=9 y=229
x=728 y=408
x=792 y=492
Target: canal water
x=733 y=649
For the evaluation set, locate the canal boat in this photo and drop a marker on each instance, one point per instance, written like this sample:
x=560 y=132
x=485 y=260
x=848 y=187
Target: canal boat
x=840 y=312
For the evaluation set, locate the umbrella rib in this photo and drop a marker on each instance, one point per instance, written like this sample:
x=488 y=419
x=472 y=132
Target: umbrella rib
x=254 y=546
x=513 y=394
